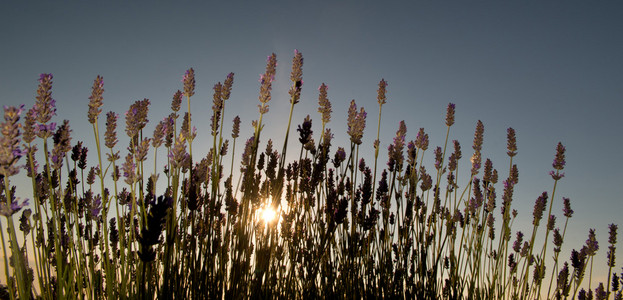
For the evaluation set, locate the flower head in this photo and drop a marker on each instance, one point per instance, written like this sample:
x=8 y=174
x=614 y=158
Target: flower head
x=559 y=162
x=396 y=149
x=421 y=140
x=591 y=243
x=297 y=77
x=29 y=126
x=136 y=117
x=10 y=152
x=511 y=142
x=159 y=132
x=305 y=131
x=324 y=105
x=450 y=114
x=266 y=81
x=478 y=136
x=14 y=207
x=45 y=105
x=381 y=92
x=95 y=100
x=568 y=212
x=235 y=132
x=189 y=83
x=539 y=207
x=111 y=127
x=177 y=101
x=356 y=123
x=227 y=85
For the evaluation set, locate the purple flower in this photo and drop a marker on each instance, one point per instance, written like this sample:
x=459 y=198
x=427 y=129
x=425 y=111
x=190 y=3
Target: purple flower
x=539 y=207
x=136 y=117
x=450 y=114
x=111 y=127
x=557 y=240
x=438 y=157
x=96 y=99
x=45 y=105
x=129 y=170
x=10 y=210
x=159 y=132
x=476 y=161
x=96 y=206
x=189 y=82
x=568 y=212
x=340 y=156
x=29 y=126
x=591 y=243
x=227 y=85
x=297 y=77
x=324 y=105
x=266 y=81
x=612 y=239
x=396 y=149
x=381 y=92
x=356 y=123
x=559 y=162
x=511 y=143
x=177 y=101
x=235 y=132
x=10 y=152
x=478 y=136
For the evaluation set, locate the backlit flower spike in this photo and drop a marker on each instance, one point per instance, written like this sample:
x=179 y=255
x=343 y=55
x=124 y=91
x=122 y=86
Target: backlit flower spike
x=478 y=136
x=45 y=105
x=10 y=152
x=297 y=77
x=30 y=120
x=568 y=212
x=14 y=207
x=189 y=83
x=511 y=143
x=235 y=132
x=324 y=105
x=539 y=207
x=266 y=81
x=227 y=86
x=177 y=101
x=96 y=99
x=450 y=114
x=559 y=162
x=356 y=122
x=591 y=243
x=111 y=129
x=62 y=144
x=381 y=92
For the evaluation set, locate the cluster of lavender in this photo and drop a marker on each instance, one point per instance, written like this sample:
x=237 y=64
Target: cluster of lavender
x=339 y=231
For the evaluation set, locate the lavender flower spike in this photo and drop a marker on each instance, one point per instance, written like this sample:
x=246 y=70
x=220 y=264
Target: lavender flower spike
x=9 y=210
x=297 y=77
x=324 y=105
x=450 y=115
x=45 y=105
x=10 y=152
x=559 y=162
x=381 y=92
x=96 y=99
x=189 y=83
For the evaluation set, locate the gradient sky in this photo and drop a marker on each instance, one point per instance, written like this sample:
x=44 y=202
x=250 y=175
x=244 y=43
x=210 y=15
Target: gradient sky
x=552 y=70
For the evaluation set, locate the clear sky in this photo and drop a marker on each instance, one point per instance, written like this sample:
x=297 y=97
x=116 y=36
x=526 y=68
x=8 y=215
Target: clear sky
x=553 y=70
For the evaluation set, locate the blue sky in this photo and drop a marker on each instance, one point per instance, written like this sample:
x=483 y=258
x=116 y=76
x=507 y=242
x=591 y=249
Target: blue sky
x=553 y=70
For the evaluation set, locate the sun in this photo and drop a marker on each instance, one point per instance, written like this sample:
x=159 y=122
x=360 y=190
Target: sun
x=268 y=214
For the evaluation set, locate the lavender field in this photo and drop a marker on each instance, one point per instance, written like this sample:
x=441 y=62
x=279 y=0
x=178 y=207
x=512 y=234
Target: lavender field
x=143 y=215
